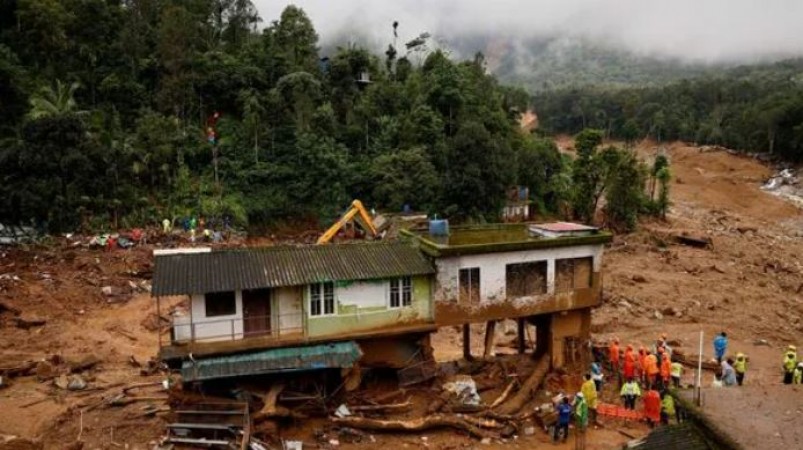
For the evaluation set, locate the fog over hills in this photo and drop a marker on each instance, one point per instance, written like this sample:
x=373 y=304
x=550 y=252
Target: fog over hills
x=543 y=43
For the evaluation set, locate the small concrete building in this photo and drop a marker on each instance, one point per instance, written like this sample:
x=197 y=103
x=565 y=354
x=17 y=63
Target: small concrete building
x=546 y=274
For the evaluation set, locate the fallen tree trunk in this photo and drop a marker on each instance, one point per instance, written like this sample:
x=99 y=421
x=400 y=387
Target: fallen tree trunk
x=424 y=423
x=524 y=394
x=384 y=408
x=504 y=395
x=272 y=410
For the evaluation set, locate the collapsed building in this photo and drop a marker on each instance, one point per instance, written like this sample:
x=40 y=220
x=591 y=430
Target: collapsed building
x=279 y=309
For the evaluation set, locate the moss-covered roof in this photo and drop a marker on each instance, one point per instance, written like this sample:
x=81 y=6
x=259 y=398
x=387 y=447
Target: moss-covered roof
x=492 y=238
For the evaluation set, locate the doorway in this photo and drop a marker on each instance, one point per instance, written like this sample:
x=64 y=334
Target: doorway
x=256 y=312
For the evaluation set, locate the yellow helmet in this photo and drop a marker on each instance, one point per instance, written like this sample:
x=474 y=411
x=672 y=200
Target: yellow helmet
x=791 y=347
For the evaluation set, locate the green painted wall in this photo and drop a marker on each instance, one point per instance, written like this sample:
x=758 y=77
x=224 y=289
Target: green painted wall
x=351 y=318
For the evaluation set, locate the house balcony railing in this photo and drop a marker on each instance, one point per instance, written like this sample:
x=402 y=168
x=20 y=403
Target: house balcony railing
x=277 y=327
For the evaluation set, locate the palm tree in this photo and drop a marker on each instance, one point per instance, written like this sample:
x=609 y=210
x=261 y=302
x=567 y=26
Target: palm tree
x=54 y=102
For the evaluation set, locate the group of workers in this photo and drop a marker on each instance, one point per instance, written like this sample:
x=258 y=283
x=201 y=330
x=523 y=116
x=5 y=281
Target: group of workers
x=192 y=225
x=652 y=369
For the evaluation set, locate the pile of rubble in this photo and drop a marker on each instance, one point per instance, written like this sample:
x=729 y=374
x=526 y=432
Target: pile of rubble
x=786 y=184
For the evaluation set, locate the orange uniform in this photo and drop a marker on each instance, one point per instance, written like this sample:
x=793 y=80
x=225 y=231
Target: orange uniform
x=630 y=363
x=651 y=365
x=642 y=353
x=613 y=353
x=652 y=405
x=666 y=368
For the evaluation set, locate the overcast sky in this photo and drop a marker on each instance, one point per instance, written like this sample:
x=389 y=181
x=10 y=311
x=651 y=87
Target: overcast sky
x=703 y=30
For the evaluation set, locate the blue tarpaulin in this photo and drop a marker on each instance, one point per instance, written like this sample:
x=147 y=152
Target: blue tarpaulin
x=287 y=359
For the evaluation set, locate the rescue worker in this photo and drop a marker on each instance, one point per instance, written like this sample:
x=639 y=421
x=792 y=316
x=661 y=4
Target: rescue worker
x=564 y=418
x=789 y=364
x=676 y=371
x=662 y=342
x=629 y=368
x=720 y=346
x=613 y=355
x=797 y=378
x=642 y=373
x=740 y=366
x=667 y=407
x=629 y=393
x=589 y=390
x=665 y=369
x=651 y=367
x=728 y=374
x=581 y=420
x=652 y=407
x=166 y=226
x=597 y=376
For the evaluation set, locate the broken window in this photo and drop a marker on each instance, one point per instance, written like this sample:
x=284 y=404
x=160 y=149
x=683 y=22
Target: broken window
x=401 y=293
x=220 y=304
x=469 y=285
x=322 y=299
x=525 y=279
x=573 y=273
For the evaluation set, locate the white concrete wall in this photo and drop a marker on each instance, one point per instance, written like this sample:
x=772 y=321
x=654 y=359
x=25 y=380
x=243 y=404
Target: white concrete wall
x=218 y=328
x=493 y=269
x=364 y=294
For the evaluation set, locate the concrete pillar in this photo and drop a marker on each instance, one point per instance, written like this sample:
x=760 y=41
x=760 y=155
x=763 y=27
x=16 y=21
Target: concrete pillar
x=467 y=341
x=490 y=337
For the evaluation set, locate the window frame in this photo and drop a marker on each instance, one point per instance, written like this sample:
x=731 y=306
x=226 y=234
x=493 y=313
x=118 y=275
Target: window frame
x=400 y=294
x=216 y=298
x=323 y=295
x=542 y=289
x=574 y=274
x=474 y=273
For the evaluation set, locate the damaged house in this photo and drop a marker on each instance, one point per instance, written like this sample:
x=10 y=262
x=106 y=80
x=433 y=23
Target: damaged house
x=344 y=306
x=547 y=275
x=288 y=308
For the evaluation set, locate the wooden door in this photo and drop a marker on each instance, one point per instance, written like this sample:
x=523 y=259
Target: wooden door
x=256 y=312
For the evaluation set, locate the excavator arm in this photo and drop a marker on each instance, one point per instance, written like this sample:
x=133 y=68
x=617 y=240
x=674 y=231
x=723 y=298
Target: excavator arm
x=355 y=209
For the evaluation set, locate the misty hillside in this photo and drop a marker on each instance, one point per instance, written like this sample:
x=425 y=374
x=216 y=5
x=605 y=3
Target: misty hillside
x=557 y=62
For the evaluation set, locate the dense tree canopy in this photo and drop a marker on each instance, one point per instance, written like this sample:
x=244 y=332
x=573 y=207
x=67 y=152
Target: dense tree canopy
x=754 y=109
x=122 y=112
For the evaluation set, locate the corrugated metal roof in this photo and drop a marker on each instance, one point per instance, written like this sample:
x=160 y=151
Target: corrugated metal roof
x=335 y=355
x=684 y=435
x=254 y=268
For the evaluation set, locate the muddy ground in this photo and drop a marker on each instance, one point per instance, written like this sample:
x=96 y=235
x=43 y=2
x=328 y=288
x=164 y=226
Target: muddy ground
x=749 y=283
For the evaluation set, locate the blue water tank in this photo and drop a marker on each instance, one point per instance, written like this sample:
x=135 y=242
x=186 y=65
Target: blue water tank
x=406 y=209
x=524 y=192
x=439 y=227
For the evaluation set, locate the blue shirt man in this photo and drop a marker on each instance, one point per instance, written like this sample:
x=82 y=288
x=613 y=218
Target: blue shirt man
x=564 y=418
x=720 y=346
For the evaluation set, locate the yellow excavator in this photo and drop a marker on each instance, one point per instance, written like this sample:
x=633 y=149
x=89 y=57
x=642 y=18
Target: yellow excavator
x=355 y=209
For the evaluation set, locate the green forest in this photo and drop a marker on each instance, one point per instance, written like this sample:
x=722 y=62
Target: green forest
x=752 y=108
x=122 y=113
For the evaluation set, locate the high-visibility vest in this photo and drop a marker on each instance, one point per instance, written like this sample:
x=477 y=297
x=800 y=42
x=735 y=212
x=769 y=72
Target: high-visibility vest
x=740 y=365
x=630 y=388
x=790 y=361
x=677 y=369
